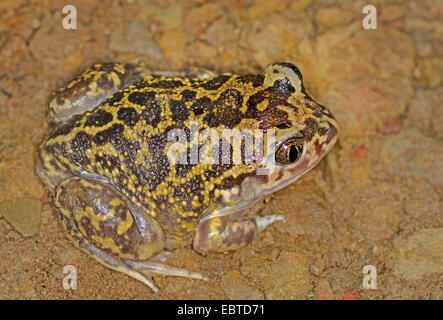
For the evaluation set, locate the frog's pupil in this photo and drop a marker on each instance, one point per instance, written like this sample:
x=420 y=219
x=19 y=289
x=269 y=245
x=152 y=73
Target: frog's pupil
x=293 y=153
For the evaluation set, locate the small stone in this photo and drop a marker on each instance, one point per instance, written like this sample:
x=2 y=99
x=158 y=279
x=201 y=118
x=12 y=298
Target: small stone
x=23 y=214
x=174 y=44
x=73 y=62
x=199 y=18
x=358 y=153
x=35 y=23
x=376 y=221
x=420 y=255
x=287 y=277
x=237 y=287
x=431 y=71
x=409 y=153
x=323 y=291
x=390 y=126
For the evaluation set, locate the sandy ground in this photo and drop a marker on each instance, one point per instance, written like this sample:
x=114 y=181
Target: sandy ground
x=374 y=200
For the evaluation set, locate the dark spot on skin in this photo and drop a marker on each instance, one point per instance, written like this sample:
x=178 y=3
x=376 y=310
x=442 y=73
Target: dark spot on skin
x=273 y=117
x=166 y=84
x=284 y=86
x=142 y=98
x=228 y=117
x=317 y=111
x=80 y=143
x=225 y=110
x=117 y=97
x=67 y=126
x=188 y=95
x=218 y=169
x=202 y=104
x=86 y=225
x=159 y=169
x=214 y=83
x=252 y=103
x=105 y=136
x=275 y=71
x=152 y=111
x=311 y=126
x=284 y=125
x=140 y=84
x=179 y=111
x=331 y=131
x=255 y=79
x=54 y=164
x=231 y=98
x=230 y=182
x=128 y=116
x=98 y=118
x=152 y=114
x=317 y=147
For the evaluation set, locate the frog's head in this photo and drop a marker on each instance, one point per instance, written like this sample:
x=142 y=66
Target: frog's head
x=297 y=132
x=305 y=131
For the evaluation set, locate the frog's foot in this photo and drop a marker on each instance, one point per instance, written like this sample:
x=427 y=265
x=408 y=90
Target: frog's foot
x=220 y=234
x=111 y=262
x=104 y=224
x=163 y=269
x=91 y=88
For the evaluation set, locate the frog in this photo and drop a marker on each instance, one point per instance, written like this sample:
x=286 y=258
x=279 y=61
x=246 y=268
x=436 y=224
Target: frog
x=128 y=201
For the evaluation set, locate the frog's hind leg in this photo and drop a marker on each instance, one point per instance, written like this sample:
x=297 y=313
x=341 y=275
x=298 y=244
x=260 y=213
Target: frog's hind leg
x=91 y=88
x=221 y=233
x=101 y=222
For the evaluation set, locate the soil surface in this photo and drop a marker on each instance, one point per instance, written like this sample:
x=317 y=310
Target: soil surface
x=376 y=199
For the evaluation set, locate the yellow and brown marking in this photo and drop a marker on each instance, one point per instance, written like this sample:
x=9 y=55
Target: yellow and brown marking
x=123 y=140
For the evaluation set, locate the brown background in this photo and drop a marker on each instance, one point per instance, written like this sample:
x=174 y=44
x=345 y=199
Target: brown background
x=376 y=198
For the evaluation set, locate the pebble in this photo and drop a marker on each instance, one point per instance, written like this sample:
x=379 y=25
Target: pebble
x=287 y=277
x=23 y=214
x=237 y=287
x=419 y=255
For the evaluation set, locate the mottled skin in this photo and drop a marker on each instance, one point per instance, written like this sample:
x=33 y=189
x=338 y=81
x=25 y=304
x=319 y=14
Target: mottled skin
x=123 y=201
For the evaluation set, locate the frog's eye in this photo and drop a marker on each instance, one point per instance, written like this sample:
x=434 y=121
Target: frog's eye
x=289 y=151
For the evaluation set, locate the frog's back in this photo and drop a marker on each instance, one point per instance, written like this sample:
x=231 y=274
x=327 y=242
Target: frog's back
x=123 y=141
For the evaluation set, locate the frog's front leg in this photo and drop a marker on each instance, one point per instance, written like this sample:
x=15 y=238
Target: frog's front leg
x=92 y=87
x=104 y=224
x=221 y=233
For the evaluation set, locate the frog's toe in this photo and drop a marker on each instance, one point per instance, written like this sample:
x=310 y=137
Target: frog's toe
x=113 y=263
x=163 y=269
